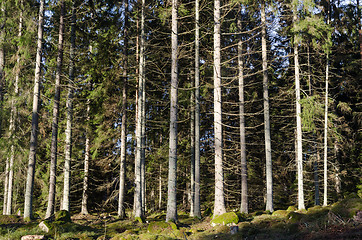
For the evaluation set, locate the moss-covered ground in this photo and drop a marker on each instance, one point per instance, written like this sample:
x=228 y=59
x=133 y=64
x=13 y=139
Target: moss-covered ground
x=342 y=220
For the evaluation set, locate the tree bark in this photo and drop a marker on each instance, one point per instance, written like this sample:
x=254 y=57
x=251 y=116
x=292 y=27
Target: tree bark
x=54 y=141
x=171 y=214
x=325 y=145
x=122 y=171
x=219 y=204
x=138 y=205
x=84 y=208
x=197 y=211
x=69 y=104
x=244 y=171
x=34 y=124
x=299 y=148
x=268 y=159
x=192 y=151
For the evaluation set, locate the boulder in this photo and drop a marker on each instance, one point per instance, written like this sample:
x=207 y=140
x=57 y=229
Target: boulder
x=227 y=219
x=44 y=226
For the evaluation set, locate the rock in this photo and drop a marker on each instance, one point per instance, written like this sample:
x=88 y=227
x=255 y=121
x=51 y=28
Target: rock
x=227 y=219
x=234 y=229
x=32 y=237
x=44 y=226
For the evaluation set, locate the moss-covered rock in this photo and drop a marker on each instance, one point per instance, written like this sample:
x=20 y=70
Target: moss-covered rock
x=161 y=227
x=229 y=218
x=9 y=219
x=62 y=216
x=292 y=209
x=281 y=213
x=294 y=217
x=347 y=208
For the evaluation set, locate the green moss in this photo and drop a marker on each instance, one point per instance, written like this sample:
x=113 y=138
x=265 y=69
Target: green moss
x=9 y=219
x=347 y=208
x=207 y=212
x=281 y=213
x=140 y=219
x=292 y=209
x=62 y=217
x=294 y=217
x=229 y=218
x=161 y=227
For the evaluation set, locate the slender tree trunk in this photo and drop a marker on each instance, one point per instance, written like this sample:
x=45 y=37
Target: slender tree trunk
x=2 y=53
x=122 y=171
x=337 y=178
x=68 y=131
x=13 y=118
x=6 y=182
x=54 y=143
x=219 y=204
x=34 y=124
x=299 y=148
x=268 y=159
x=192 y=150
x=325 y=145
x=138 y=205
x=171 y=214
x=197 y=211
x=160 y=188
x=84 y=209
x=244 y=171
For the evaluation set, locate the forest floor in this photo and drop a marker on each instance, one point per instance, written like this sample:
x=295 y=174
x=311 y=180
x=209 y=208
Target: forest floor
x=341 y=220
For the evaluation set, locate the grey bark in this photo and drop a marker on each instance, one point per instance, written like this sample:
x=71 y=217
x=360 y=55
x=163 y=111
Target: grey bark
x=171 y=214
x=84 y=204
x=6 y=182
x=138 y=205
x=299 y=148
x=325 y=145
x=219 y=203
x=54 y=140
x=122 y=171
x=34 y=124
x=316 y=180
x=197 y=211
x=192 y=152
x=244 y=171
x=268 y=159
x=69 y=105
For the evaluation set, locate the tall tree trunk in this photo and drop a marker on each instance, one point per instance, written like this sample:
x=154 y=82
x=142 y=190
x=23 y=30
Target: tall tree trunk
x=172 y=160
x=192 y=150
x=68 y=131
x=54 y=143
x=6 y=182
x=325 y=145
x=244 y=171
x=219 y=204
x=13 y=118
x=84 y=208
x=138 y=205
x=268 y=159
x=299 y=148
x=34 y=124
x=197 y=211
x=122 y=171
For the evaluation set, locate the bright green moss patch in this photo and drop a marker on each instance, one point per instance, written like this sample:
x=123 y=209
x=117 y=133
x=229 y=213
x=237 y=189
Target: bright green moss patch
x=229 y=218
x=291 y=209
x=280 y=213
x=160 y=227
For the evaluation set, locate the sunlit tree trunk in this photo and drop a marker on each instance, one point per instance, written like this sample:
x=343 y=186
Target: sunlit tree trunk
x=54 y=141
x=244 y=172
x=172 y=162
x=138 y=205
x=299 y=148
x=219 y=204
x=197 y=211
x=325 y=145
x=34 y=124
x=6 y=182
x=192 y=152
x=69 y=104
x=84 y=204
x=268 y=159
x=122 y=171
